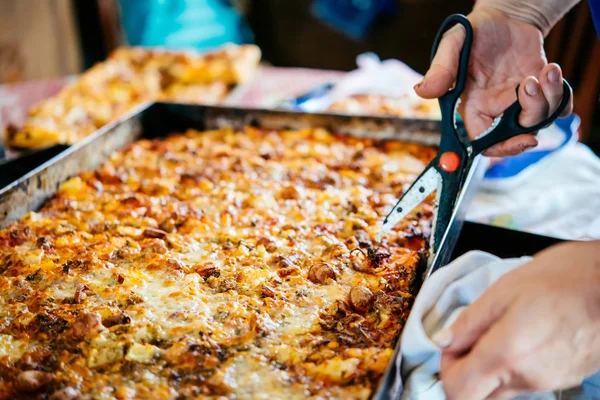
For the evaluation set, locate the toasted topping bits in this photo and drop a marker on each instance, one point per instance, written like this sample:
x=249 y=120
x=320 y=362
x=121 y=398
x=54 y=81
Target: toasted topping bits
x=154 y=233
x=32 y=381
x=284 y=272
x=174 y=264
x=269 y=245
x=207 y=270
x=81 y=294
x=370 y=263
x=86 y=325
x=19 y=236
x=267 y=291
x=155 y=246
x=283 y=262
x=67 y=393
x=43 y=243
x=50 y=324
x=289 y=193
x=131 y=201
x=118 y=319
x=376 y=258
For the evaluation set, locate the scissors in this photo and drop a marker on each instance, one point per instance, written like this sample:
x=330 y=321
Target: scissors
x=448 y=171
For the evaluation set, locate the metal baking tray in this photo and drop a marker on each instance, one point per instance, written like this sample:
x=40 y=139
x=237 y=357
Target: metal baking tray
x=161 y=119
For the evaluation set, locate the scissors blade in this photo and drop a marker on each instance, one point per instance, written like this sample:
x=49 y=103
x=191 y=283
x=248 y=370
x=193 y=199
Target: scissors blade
x=427 y=182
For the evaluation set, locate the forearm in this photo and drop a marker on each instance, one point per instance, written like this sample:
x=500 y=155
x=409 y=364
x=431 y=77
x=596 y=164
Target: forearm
x=541 y=13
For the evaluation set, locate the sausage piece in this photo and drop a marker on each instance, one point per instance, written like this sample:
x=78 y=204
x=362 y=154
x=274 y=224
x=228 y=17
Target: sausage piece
x=319 y=273
x=361 y=299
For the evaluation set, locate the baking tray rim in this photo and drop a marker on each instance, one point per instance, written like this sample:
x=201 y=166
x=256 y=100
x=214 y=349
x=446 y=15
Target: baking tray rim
x=74 y=147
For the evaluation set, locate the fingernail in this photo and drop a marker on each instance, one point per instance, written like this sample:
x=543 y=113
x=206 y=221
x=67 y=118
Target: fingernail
x=531 y=87
x=553 y=75
x=443 y=338
x=418 y=84
x=528 y=146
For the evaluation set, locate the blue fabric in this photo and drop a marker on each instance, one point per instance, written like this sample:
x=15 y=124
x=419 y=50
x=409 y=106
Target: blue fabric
x=595 y=8
x=176 y=24
x=352 y=17
x=510 y=167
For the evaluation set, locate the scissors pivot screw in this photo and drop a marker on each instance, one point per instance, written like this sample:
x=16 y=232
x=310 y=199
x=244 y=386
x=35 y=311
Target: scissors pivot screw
x=449 y=161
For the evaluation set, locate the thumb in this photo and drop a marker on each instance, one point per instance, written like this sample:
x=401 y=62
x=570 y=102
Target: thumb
x=473 y=322
x=534 y=109
x=442 y=73
x=534 y=104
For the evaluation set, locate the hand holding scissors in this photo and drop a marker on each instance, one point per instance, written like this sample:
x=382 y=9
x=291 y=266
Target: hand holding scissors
x=447 y=173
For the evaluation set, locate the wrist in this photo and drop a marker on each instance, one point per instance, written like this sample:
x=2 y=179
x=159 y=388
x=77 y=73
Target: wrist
x=586 y=255
x=543 y=14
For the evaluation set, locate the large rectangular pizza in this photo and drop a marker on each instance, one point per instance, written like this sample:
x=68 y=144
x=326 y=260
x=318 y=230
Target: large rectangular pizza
x=214 y=265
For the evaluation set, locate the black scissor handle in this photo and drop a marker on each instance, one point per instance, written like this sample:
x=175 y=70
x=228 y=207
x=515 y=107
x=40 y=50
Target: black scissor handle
x=465 y=53
x=508 y=126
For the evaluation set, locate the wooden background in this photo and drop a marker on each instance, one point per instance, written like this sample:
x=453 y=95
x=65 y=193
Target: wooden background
x=38 y=40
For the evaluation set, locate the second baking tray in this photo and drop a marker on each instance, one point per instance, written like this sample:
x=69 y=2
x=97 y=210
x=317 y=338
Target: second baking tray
x=160 y=119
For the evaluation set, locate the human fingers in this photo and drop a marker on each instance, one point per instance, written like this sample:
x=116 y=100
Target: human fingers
x=486 y=368
x=503 y=393
x=534 y=104
x=552 y=86
x=467 y=378
x=475 y=320
x=512 y=147
x=443 y=70
x=534 y=110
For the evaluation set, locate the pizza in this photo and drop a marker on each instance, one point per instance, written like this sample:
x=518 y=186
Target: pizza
x=407 y=106
x=128 y=78
x=214 y=265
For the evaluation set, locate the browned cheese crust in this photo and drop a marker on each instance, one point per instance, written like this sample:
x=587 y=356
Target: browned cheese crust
x=214 y=265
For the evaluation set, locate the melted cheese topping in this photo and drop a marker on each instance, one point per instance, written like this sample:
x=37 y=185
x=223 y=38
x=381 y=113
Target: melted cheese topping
x=214 y=265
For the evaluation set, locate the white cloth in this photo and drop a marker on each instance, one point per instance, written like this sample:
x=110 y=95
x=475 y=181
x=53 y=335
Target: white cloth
x=441 y=299
x=559 y=196
x=390 y=78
